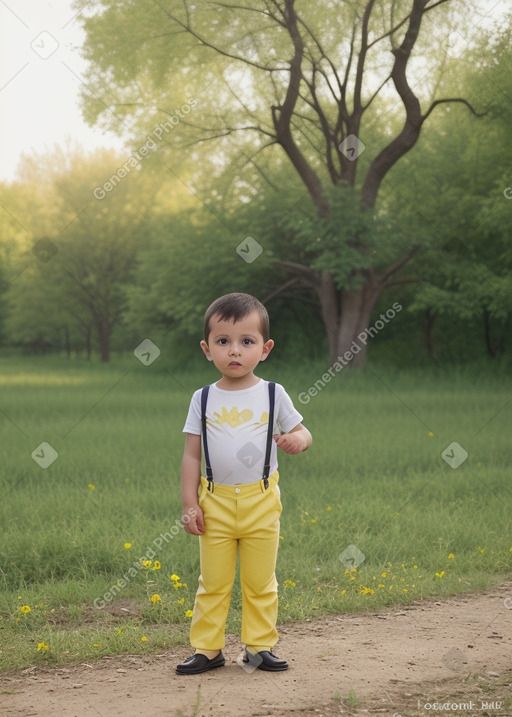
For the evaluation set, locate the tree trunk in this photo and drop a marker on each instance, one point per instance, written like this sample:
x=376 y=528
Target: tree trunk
x=67 y=342
x=104 y=328
x=346 y=316
x=428 y=326
x=490 y=344
x=330 y=297
x=356 y=309
x=88 y=342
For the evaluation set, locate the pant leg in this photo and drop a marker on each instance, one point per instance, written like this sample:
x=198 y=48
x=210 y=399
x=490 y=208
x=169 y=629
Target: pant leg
x=258 y=546
x=218 y=549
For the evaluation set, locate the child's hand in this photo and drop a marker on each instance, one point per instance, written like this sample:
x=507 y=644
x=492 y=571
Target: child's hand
x=291 y=443
x=193 y=520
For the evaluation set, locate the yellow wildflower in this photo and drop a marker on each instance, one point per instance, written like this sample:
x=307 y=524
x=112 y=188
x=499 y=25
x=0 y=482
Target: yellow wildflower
x=25 y=609
x=155 y=598
x=42 y=646
x=366 y=591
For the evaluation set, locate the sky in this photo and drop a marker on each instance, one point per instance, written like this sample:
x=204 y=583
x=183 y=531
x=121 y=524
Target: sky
x=40 y=67
x=40 y=70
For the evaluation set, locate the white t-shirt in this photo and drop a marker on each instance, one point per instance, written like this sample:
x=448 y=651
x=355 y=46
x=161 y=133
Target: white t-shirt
x=237 y=423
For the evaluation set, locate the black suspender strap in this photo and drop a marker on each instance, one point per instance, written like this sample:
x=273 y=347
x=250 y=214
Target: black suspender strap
x=270 y=431
x=209 y=474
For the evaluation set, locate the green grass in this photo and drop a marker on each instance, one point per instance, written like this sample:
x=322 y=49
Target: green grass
x=374 y=478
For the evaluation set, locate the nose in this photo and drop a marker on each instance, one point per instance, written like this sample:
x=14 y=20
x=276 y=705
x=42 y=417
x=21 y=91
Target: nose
x=234 y=349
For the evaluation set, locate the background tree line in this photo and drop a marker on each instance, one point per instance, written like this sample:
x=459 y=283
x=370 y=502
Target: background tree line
x=418 y=213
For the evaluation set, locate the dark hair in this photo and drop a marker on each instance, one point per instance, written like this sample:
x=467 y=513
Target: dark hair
x=236 y=306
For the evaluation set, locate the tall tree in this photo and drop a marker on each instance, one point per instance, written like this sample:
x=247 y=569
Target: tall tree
x=310 y=80
x=84 y=221
x=466 y=272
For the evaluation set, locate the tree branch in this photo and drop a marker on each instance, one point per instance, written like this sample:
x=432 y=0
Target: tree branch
x=431 y=7
x=376 y=92
x=282 y=116
x=408 y=137
x=188 y=28
x=226 y=131
x=326 y=130
x=279 y=290
x=323 y=55
x=358 y=84
x=307 y=275
x=398 y=264
x=461 y=100
x=389 y=32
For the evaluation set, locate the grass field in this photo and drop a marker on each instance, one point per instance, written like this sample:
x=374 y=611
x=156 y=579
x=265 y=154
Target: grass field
x=73 y=534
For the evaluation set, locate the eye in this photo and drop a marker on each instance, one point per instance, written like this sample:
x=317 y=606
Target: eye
x=247 y=342
x=222 y=342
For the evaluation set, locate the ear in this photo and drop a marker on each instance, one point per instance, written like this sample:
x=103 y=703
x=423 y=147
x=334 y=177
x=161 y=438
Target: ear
x=206 y=350
x=267 y=348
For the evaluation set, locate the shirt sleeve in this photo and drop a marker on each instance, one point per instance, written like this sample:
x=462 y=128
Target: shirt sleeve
x=287 y=416
x=193 y=422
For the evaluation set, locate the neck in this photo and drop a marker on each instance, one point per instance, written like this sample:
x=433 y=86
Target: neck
x=230 y=383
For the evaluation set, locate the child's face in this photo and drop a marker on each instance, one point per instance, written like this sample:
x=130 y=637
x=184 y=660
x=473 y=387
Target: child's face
x=236 y=348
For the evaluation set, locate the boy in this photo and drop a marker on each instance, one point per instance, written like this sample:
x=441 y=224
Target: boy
x=236 y=507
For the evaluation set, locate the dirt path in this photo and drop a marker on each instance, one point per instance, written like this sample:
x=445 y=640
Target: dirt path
x=397 y=662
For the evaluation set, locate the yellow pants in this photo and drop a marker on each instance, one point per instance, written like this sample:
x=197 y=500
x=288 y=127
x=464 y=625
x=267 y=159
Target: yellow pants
x=244 y=517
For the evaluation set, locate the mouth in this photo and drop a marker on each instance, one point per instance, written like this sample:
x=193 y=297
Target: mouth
x=235 y=364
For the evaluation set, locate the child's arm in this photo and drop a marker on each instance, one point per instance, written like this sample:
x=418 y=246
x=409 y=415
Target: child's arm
x=190 y=477
x=295 y=441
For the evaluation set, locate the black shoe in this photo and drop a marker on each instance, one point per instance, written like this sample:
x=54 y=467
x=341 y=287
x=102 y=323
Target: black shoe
x=265 y=660
x=200 y=663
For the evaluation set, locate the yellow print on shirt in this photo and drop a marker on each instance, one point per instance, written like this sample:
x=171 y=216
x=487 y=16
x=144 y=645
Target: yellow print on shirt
x=233 y=417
